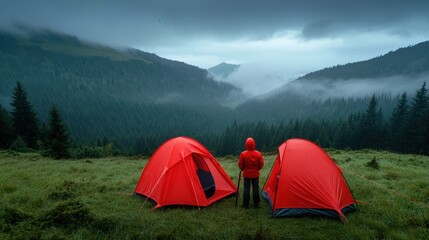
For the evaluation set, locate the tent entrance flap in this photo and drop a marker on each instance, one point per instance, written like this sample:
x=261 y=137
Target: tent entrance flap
x=204 y=175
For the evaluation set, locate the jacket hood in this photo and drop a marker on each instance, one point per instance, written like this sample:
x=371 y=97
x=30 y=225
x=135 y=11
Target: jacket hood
x=250 y=144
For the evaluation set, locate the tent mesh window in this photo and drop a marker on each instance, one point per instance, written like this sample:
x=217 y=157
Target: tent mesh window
x=204 y=175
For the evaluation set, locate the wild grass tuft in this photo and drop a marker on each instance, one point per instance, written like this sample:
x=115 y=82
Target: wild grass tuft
x=67 y=190
x=67 y=214
x=13 y=216
x=392 y=175
x=373 y=164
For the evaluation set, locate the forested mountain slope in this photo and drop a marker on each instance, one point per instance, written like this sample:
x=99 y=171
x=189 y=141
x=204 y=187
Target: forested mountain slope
x=139 y=100
x=410 y=60
x=107 y=93
x=340 y=90
x=223 y=70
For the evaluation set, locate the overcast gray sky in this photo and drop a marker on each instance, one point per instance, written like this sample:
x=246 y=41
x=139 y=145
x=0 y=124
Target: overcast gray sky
x=274 y=40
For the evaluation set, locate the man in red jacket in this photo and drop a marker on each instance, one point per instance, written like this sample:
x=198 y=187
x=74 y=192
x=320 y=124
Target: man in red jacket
x=251 y=161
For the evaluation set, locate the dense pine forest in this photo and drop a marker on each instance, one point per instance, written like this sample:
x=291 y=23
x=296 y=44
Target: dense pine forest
x=66 y=98
x=405 y=130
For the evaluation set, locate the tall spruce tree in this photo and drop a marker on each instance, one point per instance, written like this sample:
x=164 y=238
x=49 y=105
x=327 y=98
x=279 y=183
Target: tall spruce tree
x=342 y=135
x=6 y=128
x=398 y=125
x=371 y=126
x=57 y=138
x=23 y=117
x=426 y=119
x=417 y=122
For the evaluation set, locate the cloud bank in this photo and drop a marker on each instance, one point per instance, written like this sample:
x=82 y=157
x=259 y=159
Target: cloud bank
x=357 y=88
x=163 y=22
x=274 y=40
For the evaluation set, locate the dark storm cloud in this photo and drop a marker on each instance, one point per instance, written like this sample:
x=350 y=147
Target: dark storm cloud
x=323 y=28
x=275 y=41
x=161 y=22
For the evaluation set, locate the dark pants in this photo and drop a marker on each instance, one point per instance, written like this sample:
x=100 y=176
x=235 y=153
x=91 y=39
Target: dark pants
x=255 y=190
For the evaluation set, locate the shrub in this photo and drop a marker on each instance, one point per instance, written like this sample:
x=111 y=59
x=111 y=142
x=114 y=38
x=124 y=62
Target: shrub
x=13 y=216
x=94 y=152
x=86 y=152
x=67 y=190
x=373 y=164
x=19 y=145
x=67 y=214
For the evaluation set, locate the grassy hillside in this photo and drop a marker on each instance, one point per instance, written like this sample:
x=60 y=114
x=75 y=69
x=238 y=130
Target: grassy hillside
x=41 y=198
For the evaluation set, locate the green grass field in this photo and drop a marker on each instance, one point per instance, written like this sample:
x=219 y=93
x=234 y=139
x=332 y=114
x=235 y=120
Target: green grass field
x=42 y=198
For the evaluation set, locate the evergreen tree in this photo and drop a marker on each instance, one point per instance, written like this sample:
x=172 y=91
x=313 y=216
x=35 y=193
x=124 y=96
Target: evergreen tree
x=342 y=135
x=23 y=117
x=417 y=122
x=43 y=135
x=398 y=124
x=426 y=119
x=6 y=129
x=323 y=137
x=57 y=139
x=371 y=126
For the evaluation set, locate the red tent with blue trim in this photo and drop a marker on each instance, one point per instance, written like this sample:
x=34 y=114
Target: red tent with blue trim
x=305 y=181
x=183 y=172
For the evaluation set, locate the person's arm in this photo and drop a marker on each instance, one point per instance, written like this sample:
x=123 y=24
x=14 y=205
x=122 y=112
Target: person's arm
x=261 y=162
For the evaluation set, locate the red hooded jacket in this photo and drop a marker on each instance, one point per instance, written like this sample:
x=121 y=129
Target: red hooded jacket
x=251 y=160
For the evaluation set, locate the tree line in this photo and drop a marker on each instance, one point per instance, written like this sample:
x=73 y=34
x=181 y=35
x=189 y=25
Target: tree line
x=405 y=130
x=134 y=101
x=21 y=130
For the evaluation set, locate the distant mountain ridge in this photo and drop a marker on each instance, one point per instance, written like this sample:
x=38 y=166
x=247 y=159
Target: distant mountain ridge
x=153 y=76
x=403 y=70
x=128 y=95
x=223 y=70
x=404 y=61
x=106 y=92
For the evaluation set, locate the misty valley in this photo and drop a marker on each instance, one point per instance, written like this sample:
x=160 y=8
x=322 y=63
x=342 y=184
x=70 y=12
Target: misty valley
x=199 y=119
x=128 y=102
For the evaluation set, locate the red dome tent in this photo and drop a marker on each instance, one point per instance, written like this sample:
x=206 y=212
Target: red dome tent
x=305 y=181
x=183 y=172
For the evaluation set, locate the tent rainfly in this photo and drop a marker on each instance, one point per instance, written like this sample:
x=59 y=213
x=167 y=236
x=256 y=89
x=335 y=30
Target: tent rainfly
x=305 y=181
x=183 y=172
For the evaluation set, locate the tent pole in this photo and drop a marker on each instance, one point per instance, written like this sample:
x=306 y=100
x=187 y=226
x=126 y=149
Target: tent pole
x=156 y=184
